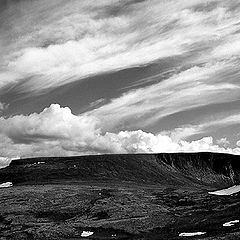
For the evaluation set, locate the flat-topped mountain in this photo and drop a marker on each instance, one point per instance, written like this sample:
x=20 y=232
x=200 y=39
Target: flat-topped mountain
x=132 y=196
x=208 y=169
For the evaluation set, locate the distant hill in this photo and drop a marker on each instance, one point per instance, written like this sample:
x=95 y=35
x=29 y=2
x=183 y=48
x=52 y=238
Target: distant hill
x=188 y=169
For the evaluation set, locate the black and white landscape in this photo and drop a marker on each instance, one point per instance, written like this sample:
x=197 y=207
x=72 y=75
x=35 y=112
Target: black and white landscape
x=119 y=119
x=130 y=196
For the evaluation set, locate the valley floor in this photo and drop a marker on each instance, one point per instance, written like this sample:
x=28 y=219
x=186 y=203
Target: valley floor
x=115 y=211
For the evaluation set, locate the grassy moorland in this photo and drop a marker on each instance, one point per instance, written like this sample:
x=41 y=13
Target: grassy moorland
x=142 y=196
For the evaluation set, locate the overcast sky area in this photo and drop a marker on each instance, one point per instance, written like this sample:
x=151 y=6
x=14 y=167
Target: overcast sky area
x=116 y=76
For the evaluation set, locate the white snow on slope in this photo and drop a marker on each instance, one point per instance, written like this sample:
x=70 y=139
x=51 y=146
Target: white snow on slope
x=227 y=191
x=6 y=184
x=231 y=223
x=191 y=234
x=86 y=233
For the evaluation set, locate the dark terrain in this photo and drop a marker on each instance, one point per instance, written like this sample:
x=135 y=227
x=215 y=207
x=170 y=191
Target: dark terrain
x=141 y=196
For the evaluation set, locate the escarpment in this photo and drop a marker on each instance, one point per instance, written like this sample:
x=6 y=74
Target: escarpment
x=206 y=169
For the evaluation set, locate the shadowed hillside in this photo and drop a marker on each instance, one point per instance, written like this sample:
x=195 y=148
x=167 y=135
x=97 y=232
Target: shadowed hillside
x=208 y=169
x=139 y=197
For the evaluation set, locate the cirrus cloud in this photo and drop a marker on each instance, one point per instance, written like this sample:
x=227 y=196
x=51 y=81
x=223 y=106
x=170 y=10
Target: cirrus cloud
x=77 y=39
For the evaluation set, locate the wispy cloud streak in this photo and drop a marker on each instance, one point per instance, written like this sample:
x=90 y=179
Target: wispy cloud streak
x=72 y=40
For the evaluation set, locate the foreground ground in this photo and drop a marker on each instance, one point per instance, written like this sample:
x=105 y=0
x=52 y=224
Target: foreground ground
x=114 y=211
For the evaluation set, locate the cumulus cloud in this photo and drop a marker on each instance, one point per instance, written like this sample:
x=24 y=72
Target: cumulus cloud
x=52 y=123
x=57 y=132
x=223 y=141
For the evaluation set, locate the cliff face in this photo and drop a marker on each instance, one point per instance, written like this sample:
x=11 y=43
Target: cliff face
x=206 y=169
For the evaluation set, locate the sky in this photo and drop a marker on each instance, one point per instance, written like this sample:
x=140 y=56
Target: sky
x=118 y=76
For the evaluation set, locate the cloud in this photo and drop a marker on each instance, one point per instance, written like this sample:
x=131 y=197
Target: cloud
x=57 y=132
x=189 y=89
x=52 y=123
x=51 y=43
x=223 y=142
x=229 y=48
x=3 y=106
x=9 y=78
x=142 y=142
x=186 y=131
x=97 y=102
x=77 y=39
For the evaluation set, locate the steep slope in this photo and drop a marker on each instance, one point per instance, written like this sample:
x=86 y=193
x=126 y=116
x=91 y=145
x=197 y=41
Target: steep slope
x=208 y=169
x=141 y=197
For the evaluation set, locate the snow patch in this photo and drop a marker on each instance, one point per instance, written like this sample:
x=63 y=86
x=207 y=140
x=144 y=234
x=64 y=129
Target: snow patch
x=40 y=162
x=231 y=223
x=6 y=185
x=227 y=191
x=191 y=234
x=86 y=233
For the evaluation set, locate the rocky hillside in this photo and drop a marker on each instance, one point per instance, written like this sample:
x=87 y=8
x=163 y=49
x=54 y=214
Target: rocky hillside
x=208 y=169
x=134 y=197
